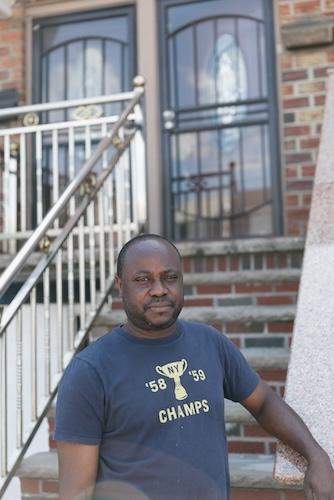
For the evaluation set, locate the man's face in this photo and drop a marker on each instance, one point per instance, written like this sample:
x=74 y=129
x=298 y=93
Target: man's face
x=151 y=285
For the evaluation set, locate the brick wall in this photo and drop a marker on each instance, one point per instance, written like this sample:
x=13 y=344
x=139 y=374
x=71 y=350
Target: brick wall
x=303 y=70
x=12 y=52
x=302 y=85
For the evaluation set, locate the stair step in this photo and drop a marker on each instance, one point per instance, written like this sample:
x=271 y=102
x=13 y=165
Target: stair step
x=235 y=413
x=254 y=471
x=214 y=314
x=244 y=276
x=252 y=245
x=246 y=471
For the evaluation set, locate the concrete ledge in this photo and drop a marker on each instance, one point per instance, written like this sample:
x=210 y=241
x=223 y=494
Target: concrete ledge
x=235 y=413
x=214 y=314
x=255 y=276
x=246 y=470
x=42 y=465
x=253 y=245
x=254 y=471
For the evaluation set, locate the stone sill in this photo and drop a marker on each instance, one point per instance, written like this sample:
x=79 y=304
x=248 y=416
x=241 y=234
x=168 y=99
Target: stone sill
x=308 y=33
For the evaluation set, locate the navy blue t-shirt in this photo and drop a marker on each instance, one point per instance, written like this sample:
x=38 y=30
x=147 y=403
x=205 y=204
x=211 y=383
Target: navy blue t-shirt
x=156 y=409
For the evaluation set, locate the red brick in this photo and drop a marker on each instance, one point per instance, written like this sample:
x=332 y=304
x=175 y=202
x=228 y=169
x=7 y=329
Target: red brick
x=234 y=263
x=294 y=495
x=297 y=130
x=299 y=213
x=287 y=287
x=198 y=302
x=297 y=102
x=287 y=89
x=4 y=51
x=280 y=327
x=320 y=100
x=290 y=145
x=291 y=172
x=209 y=264
x=253 y=430
x=289 y=76
x=214 y=289
x=186 y=264
x=254 y=494
x=311 y=143
x=299 y=185
x=284 y=9
x=116 y=305
x=222 y=263
x=321 y=72
x=308 y=170
x=252 y=288
x=50 y=486
x=245 y=447
x=275 y=300
x=270 y=261
x=292 y=200
x=311 y=6
x=30 y=485
x=273 y=375
x=307 y=199
x=282 y=261
x=298 y=157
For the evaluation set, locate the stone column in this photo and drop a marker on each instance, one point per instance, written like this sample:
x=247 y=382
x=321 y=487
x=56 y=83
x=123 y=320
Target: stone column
x=310 y=381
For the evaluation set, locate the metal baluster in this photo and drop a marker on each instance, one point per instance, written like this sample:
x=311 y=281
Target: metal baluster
x=55 y=170
x=23 y=182
x=101 y=197
x=70 y=251
x=102 y=249
x=3 y=403
x=70 y=283
x=19 y=381
x=33 y=310
x=39 y=177
x=6 y=174
x=47 y=357
x=82 y=291
x=120 y=202
x=92 y=272
x=127 y=196
x=59 y=292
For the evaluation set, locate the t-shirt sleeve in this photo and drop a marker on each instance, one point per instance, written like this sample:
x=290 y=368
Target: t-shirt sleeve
x=240 y=379
x=80 y=405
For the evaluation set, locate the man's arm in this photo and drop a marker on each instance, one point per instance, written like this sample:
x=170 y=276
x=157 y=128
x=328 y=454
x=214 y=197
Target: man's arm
x=77 y=470
x=281 y=421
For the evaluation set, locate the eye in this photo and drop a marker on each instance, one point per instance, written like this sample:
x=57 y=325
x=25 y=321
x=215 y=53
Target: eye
x=171 y=277
x=141 y=279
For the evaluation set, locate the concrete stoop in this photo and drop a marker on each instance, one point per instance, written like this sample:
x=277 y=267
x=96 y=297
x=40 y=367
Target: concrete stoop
x=250 y=475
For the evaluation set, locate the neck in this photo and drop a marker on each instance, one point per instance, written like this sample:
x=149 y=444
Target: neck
x=150 y=334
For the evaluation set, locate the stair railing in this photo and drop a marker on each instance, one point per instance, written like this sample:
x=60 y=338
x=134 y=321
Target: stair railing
x=52 y=314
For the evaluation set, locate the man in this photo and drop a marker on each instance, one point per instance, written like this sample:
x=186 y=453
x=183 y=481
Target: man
x=140 y=412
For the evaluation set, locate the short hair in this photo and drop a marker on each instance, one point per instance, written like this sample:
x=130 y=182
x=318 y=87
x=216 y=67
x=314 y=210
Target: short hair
x=133 y=241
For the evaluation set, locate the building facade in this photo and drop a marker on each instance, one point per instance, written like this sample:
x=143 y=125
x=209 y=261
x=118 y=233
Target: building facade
x=234 y=98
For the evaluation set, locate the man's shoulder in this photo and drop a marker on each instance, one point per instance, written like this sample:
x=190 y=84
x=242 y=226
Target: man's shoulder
x=99 y=347
x=194 y=327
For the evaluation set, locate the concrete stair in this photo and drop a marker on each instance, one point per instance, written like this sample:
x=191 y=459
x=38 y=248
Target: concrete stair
x=250 y=474
x=247 y=290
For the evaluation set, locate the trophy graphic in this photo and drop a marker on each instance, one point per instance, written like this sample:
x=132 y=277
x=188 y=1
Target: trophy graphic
x=175 y=370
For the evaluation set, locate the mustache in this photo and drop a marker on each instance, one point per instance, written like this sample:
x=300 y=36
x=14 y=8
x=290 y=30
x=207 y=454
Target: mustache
x=159 y=302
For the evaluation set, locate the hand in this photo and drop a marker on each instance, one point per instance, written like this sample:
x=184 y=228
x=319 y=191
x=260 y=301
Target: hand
x=319 y=479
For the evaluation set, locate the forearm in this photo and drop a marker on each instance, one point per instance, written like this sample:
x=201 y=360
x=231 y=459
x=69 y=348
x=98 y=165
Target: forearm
x=281 y=421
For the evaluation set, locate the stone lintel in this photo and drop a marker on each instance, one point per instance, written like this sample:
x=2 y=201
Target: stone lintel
x=308 y=33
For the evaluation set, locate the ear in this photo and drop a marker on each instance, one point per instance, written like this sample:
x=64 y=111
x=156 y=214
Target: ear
x=118 y=284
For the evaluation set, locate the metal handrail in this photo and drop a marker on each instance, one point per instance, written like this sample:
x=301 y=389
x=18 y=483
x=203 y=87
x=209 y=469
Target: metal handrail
x=29 y=284
x=50 y=106
x=18 y=262
x=121 y=140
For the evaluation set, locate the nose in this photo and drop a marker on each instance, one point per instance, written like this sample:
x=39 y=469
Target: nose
x=158 y=289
